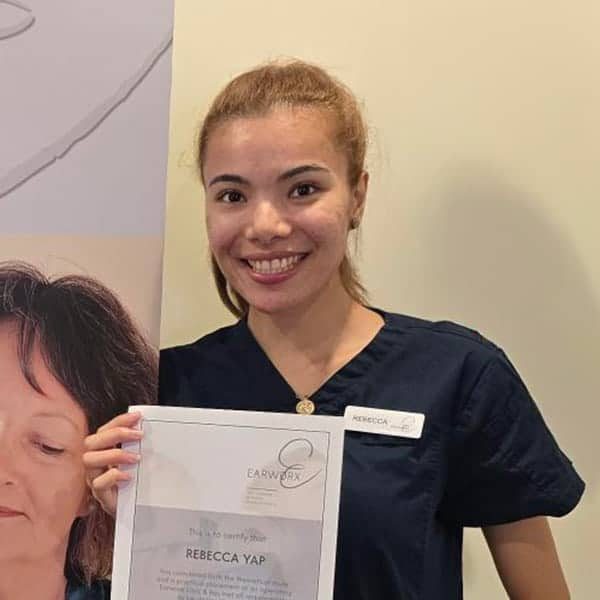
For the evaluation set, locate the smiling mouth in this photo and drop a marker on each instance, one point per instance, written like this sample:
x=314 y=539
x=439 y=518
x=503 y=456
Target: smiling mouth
x=275 y=266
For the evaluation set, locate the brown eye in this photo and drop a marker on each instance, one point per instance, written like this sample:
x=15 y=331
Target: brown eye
x=303 y=190
x=230 y=197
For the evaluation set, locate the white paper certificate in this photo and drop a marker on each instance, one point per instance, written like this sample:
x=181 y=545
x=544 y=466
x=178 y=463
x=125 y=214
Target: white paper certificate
x=229 y=505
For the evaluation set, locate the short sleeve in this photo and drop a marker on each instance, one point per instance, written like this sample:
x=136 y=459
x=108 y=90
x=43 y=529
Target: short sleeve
x=505 y=465
x=169 y=380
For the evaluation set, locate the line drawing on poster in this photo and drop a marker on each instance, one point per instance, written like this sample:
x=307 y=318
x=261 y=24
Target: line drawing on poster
x=12 y=29
x=34 y=161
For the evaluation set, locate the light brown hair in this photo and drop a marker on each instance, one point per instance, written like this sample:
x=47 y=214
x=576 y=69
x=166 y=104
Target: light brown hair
x=293 y=84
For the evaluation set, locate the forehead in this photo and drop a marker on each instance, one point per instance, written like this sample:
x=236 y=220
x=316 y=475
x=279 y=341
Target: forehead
x=17 y=394
x=280 y=139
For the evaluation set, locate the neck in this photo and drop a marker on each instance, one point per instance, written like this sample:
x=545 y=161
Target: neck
x=33 y=580
x=316 y=331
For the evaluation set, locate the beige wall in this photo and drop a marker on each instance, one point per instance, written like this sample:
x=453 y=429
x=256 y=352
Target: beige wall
x=484 y=199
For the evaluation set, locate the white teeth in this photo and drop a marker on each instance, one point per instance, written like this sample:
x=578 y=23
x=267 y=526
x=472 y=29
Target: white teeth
x=277 y=265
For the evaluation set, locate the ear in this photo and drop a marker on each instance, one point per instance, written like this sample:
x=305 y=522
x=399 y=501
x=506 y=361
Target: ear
x=359 y=197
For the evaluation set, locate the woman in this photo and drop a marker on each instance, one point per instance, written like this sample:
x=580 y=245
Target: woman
x=70 y=359
x=281 y=156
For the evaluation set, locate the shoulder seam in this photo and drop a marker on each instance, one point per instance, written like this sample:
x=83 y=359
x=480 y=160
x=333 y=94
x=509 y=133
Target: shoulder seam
x=475 y=337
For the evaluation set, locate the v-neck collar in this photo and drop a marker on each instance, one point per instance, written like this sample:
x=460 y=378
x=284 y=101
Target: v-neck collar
x=335 y=393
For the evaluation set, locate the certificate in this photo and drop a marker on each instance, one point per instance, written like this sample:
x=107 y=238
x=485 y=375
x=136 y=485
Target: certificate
x=228 y=504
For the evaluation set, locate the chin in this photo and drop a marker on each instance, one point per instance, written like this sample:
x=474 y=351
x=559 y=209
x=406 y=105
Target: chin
x=271 y=308
x=273 y=305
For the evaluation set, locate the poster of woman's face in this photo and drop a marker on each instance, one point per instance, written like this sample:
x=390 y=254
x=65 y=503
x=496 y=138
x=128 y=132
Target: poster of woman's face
x=45 y=431
x=83 y=160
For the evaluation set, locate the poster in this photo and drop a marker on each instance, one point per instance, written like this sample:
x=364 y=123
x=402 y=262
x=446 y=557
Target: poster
x=84 y=122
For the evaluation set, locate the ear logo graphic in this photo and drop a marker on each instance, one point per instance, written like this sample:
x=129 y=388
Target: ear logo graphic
x=15 y=19
x=75 y=66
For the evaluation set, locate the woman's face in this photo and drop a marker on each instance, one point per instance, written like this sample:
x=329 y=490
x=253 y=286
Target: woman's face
x=42 y=483
x=279 y=206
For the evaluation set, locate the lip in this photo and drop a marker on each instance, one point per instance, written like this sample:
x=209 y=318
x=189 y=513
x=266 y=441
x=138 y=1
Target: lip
x=5 y=511
x=273 y=255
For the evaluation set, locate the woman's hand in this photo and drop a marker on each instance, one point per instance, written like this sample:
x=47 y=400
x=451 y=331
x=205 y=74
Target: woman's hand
x=103 y=457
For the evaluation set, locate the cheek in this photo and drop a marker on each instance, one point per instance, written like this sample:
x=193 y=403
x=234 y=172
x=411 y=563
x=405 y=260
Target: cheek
x=327 y=228
x=59 y=493
x=221 y=233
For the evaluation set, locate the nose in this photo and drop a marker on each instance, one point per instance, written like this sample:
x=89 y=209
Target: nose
x=7 y=459
x=267 y=223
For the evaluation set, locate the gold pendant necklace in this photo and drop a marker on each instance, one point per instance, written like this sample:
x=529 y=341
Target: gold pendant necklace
x=305 y=406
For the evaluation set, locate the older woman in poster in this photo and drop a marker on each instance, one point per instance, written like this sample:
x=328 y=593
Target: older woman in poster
x=70 y=359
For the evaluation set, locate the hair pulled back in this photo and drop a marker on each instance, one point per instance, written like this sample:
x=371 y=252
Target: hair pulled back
x=290 y=84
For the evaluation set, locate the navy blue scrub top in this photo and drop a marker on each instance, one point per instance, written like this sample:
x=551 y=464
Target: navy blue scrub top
x=485 y=456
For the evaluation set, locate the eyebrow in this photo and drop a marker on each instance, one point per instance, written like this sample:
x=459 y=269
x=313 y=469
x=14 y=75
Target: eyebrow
x=231 y=178
x=228 y=178
x=57 y=416
x=299 y=170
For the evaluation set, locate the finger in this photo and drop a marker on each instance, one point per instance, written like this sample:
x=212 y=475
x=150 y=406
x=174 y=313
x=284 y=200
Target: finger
x=102 y=459
x=107 y=482
x=104 y=489
x=122 y=420
x=109 y=438
x=91 y=475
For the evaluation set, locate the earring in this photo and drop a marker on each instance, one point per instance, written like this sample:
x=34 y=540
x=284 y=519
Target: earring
x=354 y=223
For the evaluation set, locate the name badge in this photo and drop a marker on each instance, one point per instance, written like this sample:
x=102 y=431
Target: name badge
x=384 y=422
